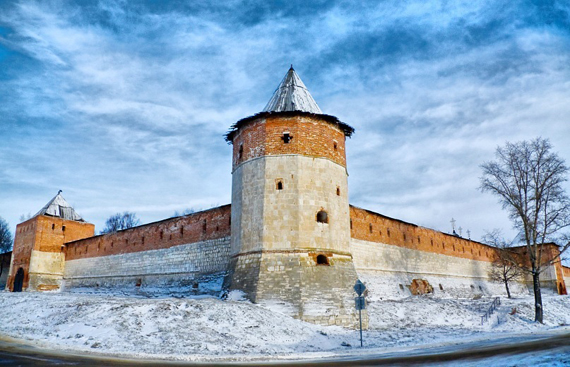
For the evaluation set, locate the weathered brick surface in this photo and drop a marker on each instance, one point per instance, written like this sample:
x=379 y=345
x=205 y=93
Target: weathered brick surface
x=176 y=265
x=38 y=239
x=198 y=227
x=311 y=136
x=374 y=227
x=278 y=189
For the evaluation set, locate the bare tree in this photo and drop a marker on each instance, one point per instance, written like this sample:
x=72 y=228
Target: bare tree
x=5 y=241
x=505 y=267
x=120 y=221
x=527 y=177
x=184 y=212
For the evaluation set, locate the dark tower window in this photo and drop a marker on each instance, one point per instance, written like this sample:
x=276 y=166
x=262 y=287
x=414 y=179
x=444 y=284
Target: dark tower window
x=204 y=226
x=335 y=145
x=322 y=217
x=63 y=228
x=338 y=191
x=279 y=185
x=286 y=137
x=240 y=153
x=370 y=227
x=322 y=260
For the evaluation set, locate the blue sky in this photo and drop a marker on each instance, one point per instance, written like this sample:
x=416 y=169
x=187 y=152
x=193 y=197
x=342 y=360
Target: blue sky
x=123 y=105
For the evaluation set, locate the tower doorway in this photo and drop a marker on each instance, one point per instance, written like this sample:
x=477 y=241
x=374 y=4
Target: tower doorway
x=18 y=281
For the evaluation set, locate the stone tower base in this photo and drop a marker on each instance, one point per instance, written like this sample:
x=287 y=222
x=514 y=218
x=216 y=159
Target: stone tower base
x=293 y=283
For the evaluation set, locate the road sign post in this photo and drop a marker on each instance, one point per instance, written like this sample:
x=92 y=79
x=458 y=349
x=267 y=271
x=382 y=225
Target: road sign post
x=360 y=303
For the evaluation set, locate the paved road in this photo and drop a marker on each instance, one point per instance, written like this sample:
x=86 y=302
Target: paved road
x=533 y=351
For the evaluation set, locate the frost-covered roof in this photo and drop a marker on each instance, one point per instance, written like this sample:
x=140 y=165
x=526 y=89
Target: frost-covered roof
x=292 y=95
x=58 y=207
x=290 y=99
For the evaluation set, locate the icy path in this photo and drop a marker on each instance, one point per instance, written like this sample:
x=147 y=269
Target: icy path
x=211 y=329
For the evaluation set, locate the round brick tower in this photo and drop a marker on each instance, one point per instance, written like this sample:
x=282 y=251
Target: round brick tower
x=290 y=231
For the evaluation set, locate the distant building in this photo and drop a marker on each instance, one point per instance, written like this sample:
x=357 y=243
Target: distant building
x=289 y=238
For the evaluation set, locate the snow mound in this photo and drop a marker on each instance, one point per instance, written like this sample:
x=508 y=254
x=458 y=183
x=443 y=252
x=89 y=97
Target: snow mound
x=211 y=329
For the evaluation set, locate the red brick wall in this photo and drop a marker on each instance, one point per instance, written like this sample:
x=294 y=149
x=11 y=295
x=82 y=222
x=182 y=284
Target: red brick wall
x=44 y=233
x=311 y=136
x=374 y=227
x=24 y=239
x=201 y=226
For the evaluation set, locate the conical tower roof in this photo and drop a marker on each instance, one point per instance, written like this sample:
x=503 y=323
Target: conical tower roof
x=292 y=95
x=58 y=207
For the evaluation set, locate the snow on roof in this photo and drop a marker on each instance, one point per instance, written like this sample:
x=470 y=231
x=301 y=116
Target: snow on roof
x=292 y=95
x=58 y=207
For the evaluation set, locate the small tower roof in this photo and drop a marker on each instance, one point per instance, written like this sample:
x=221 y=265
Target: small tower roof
x=58 y=207
x=292 y=95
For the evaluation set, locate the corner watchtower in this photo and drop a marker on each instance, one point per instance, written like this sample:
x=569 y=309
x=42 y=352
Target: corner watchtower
x=37 y=259
x=290 y=233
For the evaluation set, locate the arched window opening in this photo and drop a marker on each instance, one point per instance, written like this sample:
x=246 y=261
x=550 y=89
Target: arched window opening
x=322 y=260
x=279 y=185
x=240 y=152
x=322 y=217
x=18 y=281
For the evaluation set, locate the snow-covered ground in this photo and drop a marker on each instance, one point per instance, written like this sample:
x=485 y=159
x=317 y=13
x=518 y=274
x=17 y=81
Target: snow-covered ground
x=210 y=329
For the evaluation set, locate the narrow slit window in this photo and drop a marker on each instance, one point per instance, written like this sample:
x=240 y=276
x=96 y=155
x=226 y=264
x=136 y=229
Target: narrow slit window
x=335 y=145
x=337 y=191
x=370 y=229
x=279 y=185
x=240 y=152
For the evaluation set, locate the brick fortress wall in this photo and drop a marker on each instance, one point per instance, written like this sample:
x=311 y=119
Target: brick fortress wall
x=389 y=254
x=188 y=251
